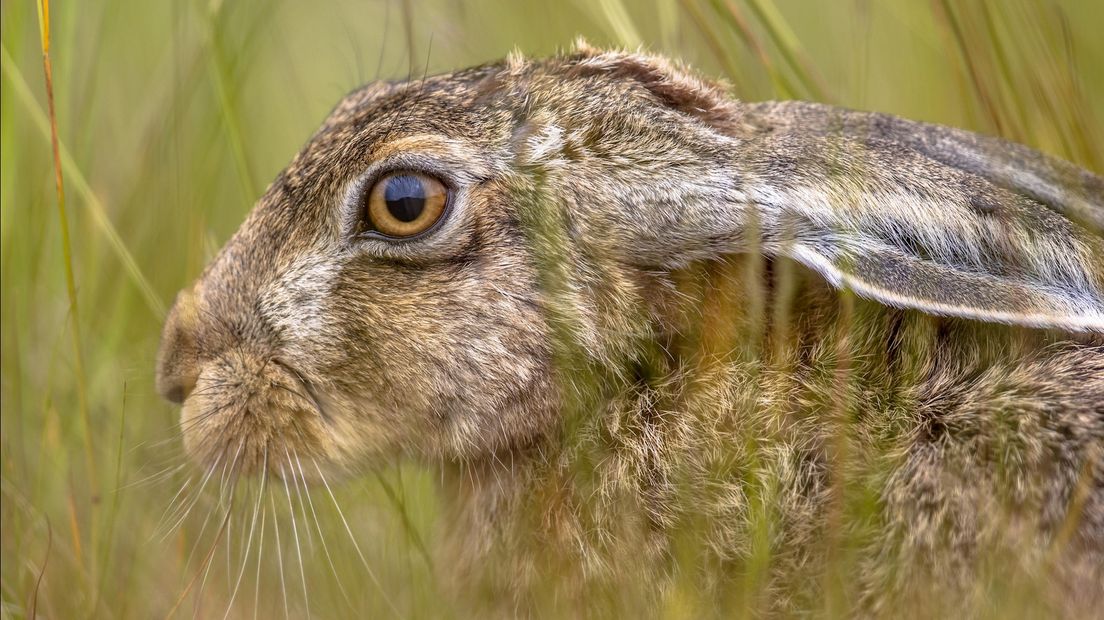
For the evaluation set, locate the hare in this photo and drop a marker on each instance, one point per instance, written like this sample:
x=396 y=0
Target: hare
x=660 y=341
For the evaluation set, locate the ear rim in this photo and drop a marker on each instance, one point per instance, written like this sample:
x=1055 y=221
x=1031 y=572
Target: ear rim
x=672 y=82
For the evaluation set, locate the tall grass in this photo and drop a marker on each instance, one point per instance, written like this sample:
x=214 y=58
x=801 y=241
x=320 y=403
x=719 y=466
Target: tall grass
x=171 y=117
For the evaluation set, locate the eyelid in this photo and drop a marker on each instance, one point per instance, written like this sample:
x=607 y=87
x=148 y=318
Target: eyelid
x=434 y=146
x=451 y=174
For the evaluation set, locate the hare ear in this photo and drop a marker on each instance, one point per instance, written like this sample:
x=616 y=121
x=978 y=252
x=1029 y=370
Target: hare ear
x=910 y=215
x=904 y=229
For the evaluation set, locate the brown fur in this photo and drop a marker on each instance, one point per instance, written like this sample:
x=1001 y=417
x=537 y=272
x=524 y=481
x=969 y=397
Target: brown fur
x=625 y=346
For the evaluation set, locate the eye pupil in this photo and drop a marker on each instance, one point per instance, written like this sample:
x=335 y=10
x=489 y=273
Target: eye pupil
x=405 y=197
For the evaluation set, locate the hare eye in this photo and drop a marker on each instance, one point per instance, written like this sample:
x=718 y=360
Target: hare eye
x=405 y=204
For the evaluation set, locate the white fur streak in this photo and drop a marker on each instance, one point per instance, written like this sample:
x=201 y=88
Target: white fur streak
x=544 y=145
x=851 y=222
x=295 y=304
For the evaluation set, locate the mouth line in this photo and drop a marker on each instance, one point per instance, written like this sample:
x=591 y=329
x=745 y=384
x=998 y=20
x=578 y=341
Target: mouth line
x=308 y=387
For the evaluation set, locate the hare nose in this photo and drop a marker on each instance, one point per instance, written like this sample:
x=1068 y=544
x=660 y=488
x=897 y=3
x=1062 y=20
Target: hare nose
x=178 y=360
x=177 y=390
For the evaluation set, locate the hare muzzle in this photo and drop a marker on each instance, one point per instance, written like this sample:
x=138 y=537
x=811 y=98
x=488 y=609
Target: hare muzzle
x=243 y=406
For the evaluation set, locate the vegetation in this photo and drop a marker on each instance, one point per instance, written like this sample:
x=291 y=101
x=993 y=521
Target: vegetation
x=172 y=116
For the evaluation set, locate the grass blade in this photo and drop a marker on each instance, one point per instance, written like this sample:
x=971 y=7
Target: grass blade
x=84 y=190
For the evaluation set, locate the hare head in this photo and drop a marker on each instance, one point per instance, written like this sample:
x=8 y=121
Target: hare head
x=407 y=283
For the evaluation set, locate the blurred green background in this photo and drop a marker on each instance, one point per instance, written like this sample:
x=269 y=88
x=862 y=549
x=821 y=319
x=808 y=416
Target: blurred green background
x=173 y=116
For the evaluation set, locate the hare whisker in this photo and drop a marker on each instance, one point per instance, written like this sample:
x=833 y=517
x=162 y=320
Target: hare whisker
x=227 y=474
x=193 y=500
x=199 y=536
x=260 y=555
x=154 y=478
x=249 y=540
x=279 y=553
x=352 y=538
x=172 y=504
x=301 y=479
x=221 y=536
x=295 y=533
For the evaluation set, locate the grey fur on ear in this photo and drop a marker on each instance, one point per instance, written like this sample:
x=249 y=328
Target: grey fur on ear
x=867 y=211
x=1060 y=185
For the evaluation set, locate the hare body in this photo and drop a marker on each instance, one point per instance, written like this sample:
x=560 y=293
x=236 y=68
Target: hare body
x=668 y=344
x=890 y=462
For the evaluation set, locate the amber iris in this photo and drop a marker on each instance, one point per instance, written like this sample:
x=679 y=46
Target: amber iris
x=405 y=204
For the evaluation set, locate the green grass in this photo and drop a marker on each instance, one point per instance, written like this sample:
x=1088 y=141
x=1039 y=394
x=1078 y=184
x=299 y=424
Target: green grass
x=172 y=117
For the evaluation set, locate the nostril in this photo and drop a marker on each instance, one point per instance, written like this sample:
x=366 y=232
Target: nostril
x=177 y=389
x=176 y=394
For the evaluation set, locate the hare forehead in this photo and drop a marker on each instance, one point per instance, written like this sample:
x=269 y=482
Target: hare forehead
x=483 y=105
